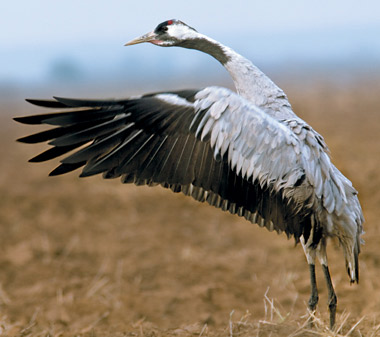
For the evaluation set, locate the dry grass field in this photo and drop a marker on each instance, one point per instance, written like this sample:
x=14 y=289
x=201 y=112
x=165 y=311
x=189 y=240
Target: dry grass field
x=88 y=257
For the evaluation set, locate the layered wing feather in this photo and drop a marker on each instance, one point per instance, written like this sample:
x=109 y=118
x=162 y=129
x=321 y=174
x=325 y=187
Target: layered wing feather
x=210 y=144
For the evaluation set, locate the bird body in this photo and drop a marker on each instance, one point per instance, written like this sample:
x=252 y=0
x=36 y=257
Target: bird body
x=245 y=152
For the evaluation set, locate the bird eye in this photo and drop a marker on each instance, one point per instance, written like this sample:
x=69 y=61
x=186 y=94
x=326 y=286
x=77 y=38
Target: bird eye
x=162 y=27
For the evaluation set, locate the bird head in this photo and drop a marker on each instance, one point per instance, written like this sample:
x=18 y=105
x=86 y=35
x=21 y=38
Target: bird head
x=167 y=34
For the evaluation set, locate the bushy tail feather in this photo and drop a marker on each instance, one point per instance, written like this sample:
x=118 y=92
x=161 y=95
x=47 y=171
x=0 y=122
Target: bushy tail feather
x=353 y=270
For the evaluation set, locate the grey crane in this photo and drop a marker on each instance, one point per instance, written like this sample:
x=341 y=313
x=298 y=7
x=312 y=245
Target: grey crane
x=245 y=152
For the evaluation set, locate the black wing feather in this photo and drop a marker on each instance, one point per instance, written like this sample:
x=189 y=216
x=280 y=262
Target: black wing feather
x=46 y=103
x=151 y=141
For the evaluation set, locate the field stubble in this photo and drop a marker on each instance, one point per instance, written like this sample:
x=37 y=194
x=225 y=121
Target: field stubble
x=90 y=257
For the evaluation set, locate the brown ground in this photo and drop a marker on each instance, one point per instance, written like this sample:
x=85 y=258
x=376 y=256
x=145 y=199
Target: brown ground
x=88 y=257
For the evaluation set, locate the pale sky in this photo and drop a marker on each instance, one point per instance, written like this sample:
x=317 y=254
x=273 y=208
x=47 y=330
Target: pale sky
x=32 y=31
x=45 y=21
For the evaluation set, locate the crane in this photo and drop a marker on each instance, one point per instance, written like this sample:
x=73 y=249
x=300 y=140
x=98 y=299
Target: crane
x=245 y=152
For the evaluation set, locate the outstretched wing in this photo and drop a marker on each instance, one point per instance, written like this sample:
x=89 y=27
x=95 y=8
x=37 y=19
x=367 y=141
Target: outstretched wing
x=210 y=144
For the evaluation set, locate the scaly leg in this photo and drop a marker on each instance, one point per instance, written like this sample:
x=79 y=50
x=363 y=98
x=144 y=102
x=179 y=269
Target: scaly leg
x=310 y=256
x=332 y=296
x=313 y=301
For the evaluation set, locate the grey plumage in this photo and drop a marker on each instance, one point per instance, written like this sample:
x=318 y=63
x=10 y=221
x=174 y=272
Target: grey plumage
x=245 y=152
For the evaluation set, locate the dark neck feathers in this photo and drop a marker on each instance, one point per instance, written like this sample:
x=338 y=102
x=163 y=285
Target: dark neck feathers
x=207 y=46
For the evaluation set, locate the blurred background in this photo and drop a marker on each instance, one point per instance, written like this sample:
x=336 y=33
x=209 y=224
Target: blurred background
x=78 y=45
x=89 y=257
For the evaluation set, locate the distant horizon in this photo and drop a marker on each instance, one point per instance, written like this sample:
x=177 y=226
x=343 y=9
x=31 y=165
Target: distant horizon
x=44 y=42
x=110 y=61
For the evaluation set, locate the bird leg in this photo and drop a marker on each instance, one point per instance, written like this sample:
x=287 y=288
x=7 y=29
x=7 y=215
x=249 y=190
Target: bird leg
x=332 y=296
x=313 y=301
x=310 y=256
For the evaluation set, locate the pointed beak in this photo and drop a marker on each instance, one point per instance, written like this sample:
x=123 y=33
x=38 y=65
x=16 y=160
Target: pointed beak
x=149 y=37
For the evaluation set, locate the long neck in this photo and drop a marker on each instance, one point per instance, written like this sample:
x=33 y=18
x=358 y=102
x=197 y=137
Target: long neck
x=250 y=82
